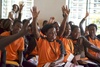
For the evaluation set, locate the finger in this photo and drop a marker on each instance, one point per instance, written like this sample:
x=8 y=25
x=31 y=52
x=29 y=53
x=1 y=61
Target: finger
x=66 y=7
x=38 y=12
x=63 y=8
x=34 y=8
x=65 y=13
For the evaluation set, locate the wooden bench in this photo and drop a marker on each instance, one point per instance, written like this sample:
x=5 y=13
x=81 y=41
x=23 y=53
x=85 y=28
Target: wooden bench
x=12 y=62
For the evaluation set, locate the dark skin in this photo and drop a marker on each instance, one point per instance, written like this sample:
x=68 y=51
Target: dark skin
x=51 y=34
x=92 y=35
x=66 y=35
x=15 y=29
x=65 y=12
x=81 y=23
x=4 y=41
x=15 y=9
x=83 y=41
x=8 y=39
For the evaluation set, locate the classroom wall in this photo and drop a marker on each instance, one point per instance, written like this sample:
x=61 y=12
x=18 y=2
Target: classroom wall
x=49 y=8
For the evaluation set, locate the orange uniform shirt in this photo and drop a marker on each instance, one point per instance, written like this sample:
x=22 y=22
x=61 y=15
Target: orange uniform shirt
x=95 y=42
x=69 y=49
x=45 y=52
x=11 y=49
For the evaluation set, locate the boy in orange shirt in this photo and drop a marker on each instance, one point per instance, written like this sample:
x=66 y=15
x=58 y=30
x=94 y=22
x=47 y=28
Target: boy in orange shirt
x=15 y=49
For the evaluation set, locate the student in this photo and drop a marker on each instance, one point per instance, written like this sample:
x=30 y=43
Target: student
x=48 y=48
x=14 y=51
x=6 y=40
x=16 y=12
x=92 y=38
x=69 y=47
x=5 y=26
x=80 y=45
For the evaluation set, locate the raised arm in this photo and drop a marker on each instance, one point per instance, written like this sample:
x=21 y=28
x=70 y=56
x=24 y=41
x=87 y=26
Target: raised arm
x=4 y=41
x=20 y=10
x=35 y=14
x=65 y=12
x=81 y=23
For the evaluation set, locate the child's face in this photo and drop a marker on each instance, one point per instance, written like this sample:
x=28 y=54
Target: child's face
x=51 y=34
x=67 y=30
x=17 y=27
x=92 y=30
x=15 y=8
x=76 y=33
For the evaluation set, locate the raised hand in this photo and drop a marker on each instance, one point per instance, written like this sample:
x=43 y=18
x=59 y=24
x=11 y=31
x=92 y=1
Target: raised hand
x=86 y=15
x=20 y=7
x=65 y=11
x=51 y=20
x=34 y=12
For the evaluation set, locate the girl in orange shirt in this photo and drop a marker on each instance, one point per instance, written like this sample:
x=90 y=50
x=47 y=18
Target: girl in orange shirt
x=95 y=56
x=81 y=43
x=48 y=49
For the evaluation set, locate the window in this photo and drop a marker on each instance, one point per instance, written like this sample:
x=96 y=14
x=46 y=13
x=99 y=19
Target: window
x=7 y=7
x=78 y=9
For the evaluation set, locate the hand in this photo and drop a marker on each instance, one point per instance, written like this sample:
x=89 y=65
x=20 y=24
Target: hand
x=65 y=11
x=51 y=20
x=34 y=12
x=87 y=14
x=21 y=7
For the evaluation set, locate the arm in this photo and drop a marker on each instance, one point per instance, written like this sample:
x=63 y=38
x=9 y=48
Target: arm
x=81 y=23
x=34 y=22
x=4 y=41
x=87 y=44
x=91 y=56
x=20 y=10
x=20 y=56
x=66 y=12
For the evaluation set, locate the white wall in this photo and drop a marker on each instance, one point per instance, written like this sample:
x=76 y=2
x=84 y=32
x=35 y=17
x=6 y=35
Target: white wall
x=49 y=8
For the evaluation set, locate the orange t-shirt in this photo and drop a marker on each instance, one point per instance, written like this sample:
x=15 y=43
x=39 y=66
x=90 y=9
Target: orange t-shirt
x=45 y=52
x=68 y=47
x=95 y=42
x=11 y=49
